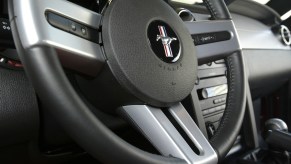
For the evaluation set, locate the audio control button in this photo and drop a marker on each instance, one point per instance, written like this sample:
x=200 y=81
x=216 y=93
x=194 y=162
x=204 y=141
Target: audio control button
x=205 y=112
x=73 y=27
x=216 y=101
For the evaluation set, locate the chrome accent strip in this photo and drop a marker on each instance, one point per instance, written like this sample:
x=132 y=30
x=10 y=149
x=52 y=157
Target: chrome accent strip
x=157 y=128
x=214 y=91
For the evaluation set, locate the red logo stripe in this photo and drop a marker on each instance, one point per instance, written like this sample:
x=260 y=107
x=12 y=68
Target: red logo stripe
x=167 y=48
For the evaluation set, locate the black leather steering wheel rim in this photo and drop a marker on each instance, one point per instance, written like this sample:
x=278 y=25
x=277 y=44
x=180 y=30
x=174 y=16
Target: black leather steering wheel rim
x=235 y=97
x=43 y=67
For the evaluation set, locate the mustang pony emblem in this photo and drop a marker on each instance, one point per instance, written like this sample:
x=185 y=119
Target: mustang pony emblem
x=166 y=41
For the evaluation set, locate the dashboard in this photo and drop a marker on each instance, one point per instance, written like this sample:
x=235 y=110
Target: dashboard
x=267 y=58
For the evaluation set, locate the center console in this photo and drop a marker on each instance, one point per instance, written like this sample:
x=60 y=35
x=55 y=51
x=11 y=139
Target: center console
x=212 y=88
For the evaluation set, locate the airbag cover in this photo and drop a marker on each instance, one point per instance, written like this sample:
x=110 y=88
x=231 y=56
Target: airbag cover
x=128 y=44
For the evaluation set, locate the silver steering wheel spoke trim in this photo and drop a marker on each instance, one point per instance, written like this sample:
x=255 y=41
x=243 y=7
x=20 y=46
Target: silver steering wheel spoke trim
x=156 y=126
x=75 y=52
x=218 y=49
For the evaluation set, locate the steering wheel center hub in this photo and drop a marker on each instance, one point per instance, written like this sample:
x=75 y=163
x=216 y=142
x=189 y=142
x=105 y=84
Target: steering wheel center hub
x=150 y=52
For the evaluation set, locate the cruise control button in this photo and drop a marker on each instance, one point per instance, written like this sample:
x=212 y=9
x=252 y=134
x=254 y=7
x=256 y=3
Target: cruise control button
x=73 y=27
x=84 y=31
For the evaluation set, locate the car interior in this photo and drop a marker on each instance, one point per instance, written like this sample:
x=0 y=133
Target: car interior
x=155 y=81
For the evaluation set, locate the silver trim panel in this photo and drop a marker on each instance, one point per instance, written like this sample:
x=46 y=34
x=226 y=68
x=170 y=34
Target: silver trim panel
x=215 y=50
x=157 y=128
x=34 y=30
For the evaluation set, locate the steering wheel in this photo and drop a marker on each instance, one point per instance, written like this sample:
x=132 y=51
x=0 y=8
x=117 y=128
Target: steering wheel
x=143 y=57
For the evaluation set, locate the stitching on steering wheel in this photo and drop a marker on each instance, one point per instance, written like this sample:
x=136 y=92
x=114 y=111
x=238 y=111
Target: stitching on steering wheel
x=210 y=7
x=229 y=99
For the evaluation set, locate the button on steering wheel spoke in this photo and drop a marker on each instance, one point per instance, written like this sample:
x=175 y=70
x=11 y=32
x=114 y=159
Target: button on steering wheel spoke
x=215 y=39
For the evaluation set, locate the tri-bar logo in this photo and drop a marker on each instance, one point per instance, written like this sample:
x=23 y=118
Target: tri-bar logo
x=164 y=42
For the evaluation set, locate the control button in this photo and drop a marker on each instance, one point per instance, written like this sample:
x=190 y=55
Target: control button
x=6 y=38
x=206 y=38
x=84 y=31
x=216 y=101
x=73 y=27
x=222 y=100
x=6 y=27
x=216 y=109
x=211 y=110
x=205 y=112
x=219 y=108
x=58 y=21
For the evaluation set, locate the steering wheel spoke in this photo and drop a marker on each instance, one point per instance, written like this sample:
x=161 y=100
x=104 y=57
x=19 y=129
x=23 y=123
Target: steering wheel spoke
x=71 y=29
x=215 y=39
x=172 y=131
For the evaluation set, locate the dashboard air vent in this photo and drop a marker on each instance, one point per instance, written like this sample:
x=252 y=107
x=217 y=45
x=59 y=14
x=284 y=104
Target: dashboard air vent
x=185 y=14
x=285 y=35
